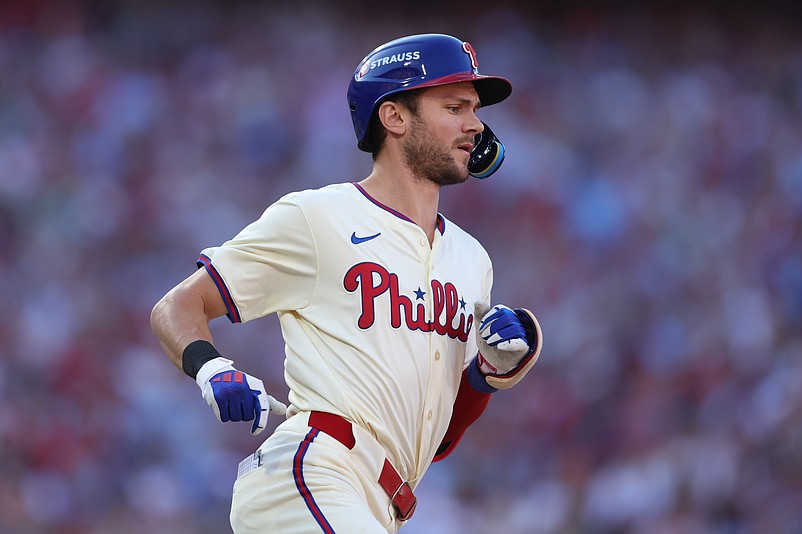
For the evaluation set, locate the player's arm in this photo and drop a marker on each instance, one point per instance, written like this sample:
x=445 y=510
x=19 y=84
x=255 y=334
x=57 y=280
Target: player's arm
x=180 y=321
x=468 y=406
x=183 y=314
x=509 y=344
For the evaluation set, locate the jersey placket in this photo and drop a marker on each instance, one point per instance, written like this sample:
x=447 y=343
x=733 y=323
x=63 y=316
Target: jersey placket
x=430 y=413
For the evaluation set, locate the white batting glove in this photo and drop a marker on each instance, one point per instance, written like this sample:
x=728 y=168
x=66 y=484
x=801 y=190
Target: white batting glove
x=236 y=396
x=509 y=343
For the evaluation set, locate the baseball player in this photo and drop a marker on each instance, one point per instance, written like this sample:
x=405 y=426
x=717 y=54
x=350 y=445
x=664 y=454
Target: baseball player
x=392 y=349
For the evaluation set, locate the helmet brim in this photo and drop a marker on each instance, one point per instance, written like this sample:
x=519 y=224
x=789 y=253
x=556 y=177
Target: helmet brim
x=491 y=89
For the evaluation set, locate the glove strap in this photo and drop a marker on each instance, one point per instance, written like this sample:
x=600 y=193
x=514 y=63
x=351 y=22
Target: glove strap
x=211 y=368
x=485 y=366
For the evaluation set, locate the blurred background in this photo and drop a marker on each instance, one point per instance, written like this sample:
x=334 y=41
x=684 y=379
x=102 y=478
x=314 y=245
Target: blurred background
x=649 y=211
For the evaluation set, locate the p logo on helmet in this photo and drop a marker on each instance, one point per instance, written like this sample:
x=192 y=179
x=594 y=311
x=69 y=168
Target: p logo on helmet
x=471 y=52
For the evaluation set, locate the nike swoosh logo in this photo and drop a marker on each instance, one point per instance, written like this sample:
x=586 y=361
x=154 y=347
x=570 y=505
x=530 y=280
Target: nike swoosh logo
x=357 y=240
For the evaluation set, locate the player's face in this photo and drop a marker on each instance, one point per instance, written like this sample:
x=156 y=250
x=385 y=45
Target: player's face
x=442 y=133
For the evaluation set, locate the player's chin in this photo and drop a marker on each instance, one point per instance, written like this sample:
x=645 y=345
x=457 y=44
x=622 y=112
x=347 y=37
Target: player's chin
x=447 y=171
x=457 y=177
x=462 y=163
x=451 y=176
x=459 y=172
x=463 y=171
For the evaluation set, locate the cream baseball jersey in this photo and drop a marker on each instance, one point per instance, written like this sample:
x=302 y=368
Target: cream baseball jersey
x=377 y=323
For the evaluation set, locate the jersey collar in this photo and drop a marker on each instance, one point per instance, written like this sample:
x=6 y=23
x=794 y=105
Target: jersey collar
x=441 y=221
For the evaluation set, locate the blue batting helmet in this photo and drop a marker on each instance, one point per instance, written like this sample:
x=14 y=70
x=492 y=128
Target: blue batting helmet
x=414 y=62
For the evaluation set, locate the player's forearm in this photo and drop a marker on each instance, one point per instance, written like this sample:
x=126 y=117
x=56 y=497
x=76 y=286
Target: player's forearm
x=468 y=406
x=177 y=320
x=180 y=321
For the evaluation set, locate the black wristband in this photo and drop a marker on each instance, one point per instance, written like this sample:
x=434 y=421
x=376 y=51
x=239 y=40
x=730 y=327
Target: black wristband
x=196 y=354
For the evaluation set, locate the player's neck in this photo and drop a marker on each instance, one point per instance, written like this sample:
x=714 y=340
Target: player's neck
x=415 y=198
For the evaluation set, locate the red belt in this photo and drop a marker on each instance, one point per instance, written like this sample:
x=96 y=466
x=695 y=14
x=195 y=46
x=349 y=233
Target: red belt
x=391 y=482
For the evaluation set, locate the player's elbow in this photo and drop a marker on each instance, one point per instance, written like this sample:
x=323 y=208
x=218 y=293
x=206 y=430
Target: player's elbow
x=157 y=315
x=163 y=316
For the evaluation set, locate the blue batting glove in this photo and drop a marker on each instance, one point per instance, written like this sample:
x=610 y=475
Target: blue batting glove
x=501 y=328
x=509 y=345
x=236 y=396
x=501 y=337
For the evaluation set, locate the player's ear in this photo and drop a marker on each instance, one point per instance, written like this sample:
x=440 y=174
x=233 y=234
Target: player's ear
x=391 y=115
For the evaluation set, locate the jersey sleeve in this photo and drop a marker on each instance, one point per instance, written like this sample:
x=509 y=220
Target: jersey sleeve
x=271 y=265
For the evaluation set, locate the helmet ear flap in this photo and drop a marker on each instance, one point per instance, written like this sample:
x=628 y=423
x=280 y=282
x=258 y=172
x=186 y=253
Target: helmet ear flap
x=487 y=154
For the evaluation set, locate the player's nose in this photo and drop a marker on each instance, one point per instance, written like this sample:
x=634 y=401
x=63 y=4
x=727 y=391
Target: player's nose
x=474 y=125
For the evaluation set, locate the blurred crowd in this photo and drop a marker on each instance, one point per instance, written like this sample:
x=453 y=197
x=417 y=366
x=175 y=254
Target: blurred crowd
x=649 y=211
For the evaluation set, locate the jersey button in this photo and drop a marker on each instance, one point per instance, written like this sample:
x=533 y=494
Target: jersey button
x=429 y=415
x=437 y=356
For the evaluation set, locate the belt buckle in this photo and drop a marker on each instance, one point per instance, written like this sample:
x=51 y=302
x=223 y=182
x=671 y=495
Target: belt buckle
x=404 y=501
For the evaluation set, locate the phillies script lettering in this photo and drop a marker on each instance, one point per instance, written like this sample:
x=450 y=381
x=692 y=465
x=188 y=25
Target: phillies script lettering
x=374 y=280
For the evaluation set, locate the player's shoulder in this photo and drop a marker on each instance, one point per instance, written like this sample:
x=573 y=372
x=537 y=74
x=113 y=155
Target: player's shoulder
x=332 y=193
